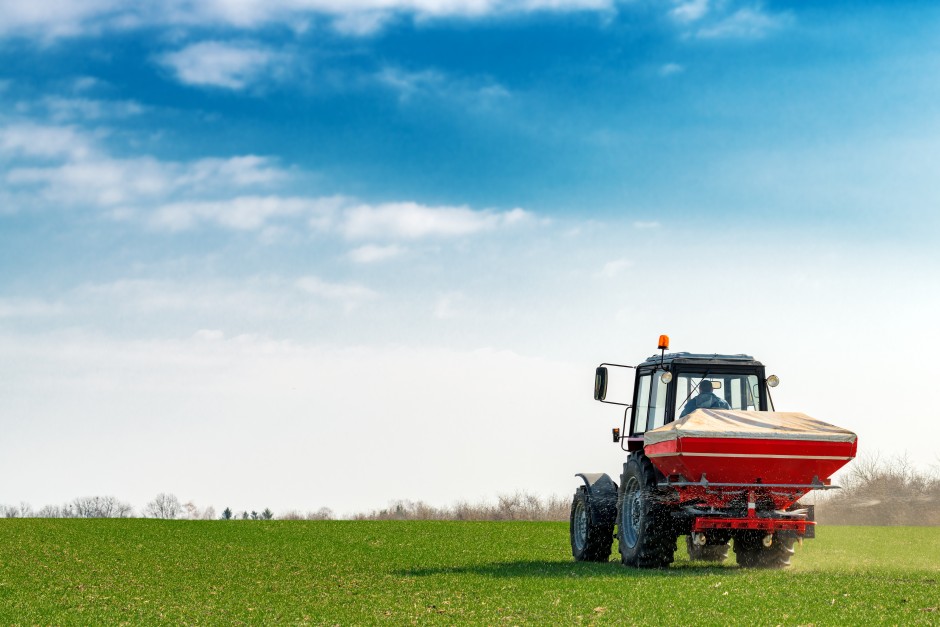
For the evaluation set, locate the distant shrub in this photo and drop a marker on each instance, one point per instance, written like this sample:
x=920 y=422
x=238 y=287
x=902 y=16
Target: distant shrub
x=518 y=506
x=324 y=513
x=883 y=492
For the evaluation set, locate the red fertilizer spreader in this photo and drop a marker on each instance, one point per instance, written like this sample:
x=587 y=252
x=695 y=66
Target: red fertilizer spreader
x=722 y=459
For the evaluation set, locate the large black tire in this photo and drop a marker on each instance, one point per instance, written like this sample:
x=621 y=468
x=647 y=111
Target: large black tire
x=644 y=529
x=750 y=552
x=707 y=553
x=591 y=528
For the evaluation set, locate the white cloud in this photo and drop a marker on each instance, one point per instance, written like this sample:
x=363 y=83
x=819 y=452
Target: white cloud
x=668 y=69
x=372 y=253
x=409 y=83
x=178 y=196
x=408 y=220
x=241 y=171
x=222 y=64
x=83 y=173
x=647 y=224
x=101 y=180
x=71 y=109
x=104 y=181
x=480 y=92
x=350 y=294
x=690 y=11
x=745 y=23
x=338 y=214
x=50 y=19
x=242 y=213
x=42 y=141
x=361 y=23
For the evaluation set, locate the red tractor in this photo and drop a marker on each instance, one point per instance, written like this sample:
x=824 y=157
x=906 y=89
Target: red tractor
x=709 y=459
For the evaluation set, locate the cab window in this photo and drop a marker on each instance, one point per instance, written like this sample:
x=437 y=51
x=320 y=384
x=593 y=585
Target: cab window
x=657 y=410
x=641 y=410
x=740 y=391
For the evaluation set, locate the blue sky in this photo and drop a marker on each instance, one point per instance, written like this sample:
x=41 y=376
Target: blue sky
x=203 y=201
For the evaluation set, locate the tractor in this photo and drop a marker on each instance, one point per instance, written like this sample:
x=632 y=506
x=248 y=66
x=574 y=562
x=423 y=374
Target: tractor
x=708 y=459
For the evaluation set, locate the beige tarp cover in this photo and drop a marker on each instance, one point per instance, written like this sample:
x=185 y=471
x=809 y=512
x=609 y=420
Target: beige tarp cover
x=764 y=425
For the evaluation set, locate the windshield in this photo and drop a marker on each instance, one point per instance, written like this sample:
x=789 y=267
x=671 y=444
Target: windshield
x=716 y=391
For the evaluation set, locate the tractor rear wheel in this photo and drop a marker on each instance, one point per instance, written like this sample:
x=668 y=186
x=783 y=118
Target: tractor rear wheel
x=707 y=553
x=750 y=552
x=644 y=532
x=591 y=529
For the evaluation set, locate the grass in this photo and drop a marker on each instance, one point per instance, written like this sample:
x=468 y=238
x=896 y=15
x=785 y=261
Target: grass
x=348 y=572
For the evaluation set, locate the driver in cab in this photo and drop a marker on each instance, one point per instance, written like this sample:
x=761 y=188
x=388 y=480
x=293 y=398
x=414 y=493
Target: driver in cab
x=706 y=399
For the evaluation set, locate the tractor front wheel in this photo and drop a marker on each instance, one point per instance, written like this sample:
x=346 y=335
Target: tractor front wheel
x=591 y=529
x=750 y=551
x=644 y=534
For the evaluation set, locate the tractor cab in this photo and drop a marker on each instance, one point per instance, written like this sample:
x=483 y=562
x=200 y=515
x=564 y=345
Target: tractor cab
x=668 y=387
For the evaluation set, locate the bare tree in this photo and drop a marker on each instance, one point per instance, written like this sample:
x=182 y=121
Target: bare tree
x=880 y=491
x=208 y=513
x=165 y=506
x=100 y=507
x=191 y=511
x=324 y=513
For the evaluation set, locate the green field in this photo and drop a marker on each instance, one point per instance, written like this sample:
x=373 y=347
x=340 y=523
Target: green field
x=147 y=571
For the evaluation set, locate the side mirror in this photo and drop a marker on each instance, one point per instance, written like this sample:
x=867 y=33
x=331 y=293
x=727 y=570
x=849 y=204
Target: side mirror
x=600 y=383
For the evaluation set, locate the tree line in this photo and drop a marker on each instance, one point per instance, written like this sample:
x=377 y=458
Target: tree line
x=164 y=506
x=874 y=491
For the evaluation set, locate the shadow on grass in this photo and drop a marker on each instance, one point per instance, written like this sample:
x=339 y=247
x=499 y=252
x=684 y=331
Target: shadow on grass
x=546 y=569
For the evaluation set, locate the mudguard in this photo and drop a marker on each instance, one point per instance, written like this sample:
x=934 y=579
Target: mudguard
x=602 y=497
x=598 y=483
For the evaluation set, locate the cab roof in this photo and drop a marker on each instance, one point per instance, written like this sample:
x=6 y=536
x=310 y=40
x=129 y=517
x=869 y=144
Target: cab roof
x=702 y=358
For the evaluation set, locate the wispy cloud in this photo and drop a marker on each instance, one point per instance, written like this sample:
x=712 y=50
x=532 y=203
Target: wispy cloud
x=690 y=11
x=228 y=65
x=403 y=221
x=68 y=166
x=479 y=92
x=63 y=166
x=361 y=23
x=348 y=294
x=244 y=213
x=727 y=19
x=408 y=220
x=372 y=253
x=44 y=141
x=49 y=19
x=668 y=69
x=84 y=109
x=744 y=23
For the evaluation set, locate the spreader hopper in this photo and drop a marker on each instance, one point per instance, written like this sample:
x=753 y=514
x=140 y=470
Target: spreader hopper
x=749 y=447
